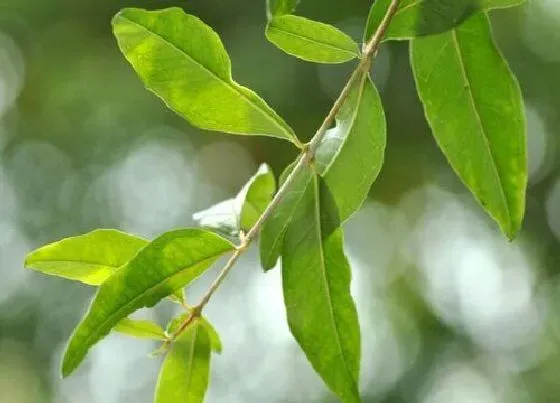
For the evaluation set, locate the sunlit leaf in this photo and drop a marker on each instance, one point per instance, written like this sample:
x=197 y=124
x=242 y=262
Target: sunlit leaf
x=143 y=329
x=183 y=61
x=349 y=159
x=178 y=296
x=168 y=263
x=427 y=17
x=474 y=107
x=311 y=40
x=241 y=213
x=280 y=7
x=316 y=282
x=90 y=258
x=185 y=372
x=176 y=322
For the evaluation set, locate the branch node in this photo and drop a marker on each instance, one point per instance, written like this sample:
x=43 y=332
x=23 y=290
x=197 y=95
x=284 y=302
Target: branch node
x=244 y=244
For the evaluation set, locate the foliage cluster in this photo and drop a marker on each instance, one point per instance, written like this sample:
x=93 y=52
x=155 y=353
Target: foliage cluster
x=471 y=101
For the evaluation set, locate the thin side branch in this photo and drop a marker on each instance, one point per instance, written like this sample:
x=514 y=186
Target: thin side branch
x=305 y=158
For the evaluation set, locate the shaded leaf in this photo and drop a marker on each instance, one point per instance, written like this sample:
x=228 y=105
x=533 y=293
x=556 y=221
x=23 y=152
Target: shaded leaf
x=349 y=159
x=427 y=17
x=183 y=61
x=256 y=195
x=222 y=217
x=143 y=329
x=185 y=372
x=176 y=322
x=316 y=282
x=311 y=40
x=90 y=258
x=280 y=7
x=273 y=230
x=473 y=104
x=242 y=212
x=170 y=262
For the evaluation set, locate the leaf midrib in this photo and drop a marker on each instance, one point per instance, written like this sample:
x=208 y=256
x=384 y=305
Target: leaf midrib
x=231 y=84
x=93 y=335
x=130 y=325
x=324 y=273
x=309 y=39
x=408 y=6
x=466 y=81
x=490 y=7
x=191 y=356
x=287 y=221
x=84 y=262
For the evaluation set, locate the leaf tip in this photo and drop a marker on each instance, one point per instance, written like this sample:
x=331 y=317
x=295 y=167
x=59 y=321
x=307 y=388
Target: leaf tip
x=118 y=15
x=29 y=260
x=67 y=367
x=70 y=359
x=512 y=232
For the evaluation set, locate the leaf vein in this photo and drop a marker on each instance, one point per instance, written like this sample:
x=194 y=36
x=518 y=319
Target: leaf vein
x=480 y=122
x=231 y=84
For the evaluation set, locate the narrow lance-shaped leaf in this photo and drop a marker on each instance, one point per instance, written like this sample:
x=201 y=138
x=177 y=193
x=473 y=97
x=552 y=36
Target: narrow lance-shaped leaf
x=311 y=40
x=351 y=154
x=167 y=264
x=473 y=104
x=349 y=159
x=273 y=230
x=316 y=282
x=90 y=258
x=143 y=329
x=427 y=17
x=183 y=61
x=242 y=212
x=185 y=372
x=215 y=341
x=280 y=7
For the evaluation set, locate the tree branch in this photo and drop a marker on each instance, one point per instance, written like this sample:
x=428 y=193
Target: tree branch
x=305 y=158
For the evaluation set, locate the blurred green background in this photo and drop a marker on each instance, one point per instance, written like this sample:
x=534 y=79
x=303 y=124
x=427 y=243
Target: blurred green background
x=450 y=311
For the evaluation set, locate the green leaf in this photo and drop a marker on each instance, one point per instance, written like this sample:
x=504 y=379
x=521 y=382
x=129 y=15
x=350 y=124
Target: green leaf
x=215 y=341
x=280 y=7
x=351 y=154
x=273 y=230
x=311 y=40
x=427 y=17
x=168 y=263
x=143 y=329
x=349 y=159
x=243 y=211
x=178 y=296
x=474 y=106
x=316 y=282
x=185 y=372
x=90 y=258
x=256 y=195
x=183 y=61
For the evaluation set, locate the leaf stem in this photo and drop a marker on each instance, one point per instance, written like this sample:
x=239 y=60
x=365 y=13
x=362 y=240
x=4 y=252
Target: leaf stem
x=306 y=157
